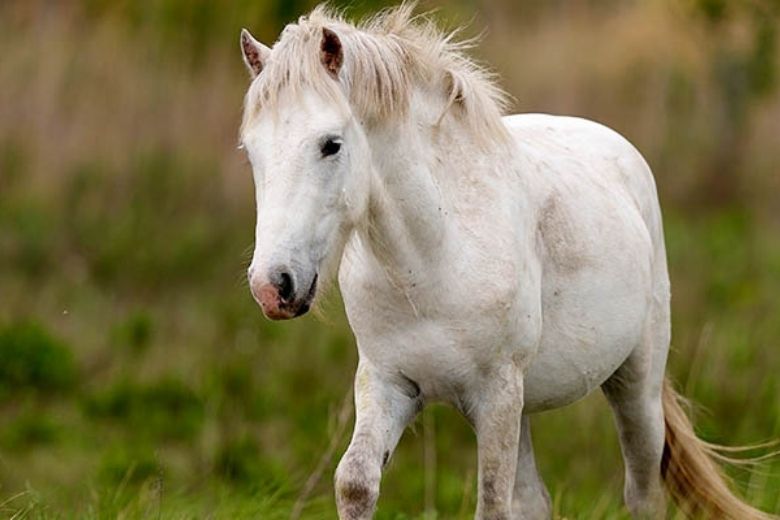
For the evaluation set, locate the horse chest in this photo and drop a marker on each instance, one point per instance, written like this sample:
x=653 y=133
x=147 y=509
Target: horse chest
x=444 y=337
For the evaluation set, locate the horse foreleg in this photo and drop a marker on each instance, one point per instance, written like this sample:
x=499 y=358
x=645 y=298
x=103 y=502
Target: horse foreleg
x=497 y=422
x=382 y=411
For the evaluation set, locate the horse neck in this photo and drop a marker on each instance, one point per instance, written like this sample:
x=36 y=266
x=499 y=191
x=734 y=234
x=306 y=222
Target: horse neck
x=415 y=167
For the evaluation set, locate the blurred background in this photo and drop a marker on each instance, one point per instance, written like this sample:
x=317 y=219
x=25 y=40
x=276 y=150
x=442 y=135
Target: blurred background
x=137 y=376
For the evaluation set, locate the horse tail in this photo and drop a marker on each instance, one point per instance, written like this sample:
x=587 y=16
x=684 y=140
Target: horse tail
x=691 y=471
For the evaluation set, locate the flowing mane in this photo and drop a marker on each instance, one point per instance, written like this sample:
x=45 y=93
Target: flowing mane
x=385 y=57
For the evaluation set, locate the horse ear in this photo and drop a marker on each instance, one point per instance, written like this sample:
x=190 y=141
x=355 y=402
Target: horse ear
x=255 y=53
x=331 y=52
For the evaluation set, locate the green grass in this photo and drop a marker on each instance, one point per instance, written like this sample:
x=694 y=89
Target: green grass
x=173 y=397
x=137 y=376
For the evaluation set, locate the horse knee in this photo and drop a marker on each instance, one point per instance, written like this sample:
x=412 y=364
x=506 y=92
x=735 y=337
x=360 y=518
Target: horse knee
x=357 y=489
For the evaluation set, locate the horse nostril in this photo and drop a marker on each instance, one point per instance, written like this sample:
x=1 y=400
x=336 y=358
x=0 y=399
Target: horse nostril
x=285 y=287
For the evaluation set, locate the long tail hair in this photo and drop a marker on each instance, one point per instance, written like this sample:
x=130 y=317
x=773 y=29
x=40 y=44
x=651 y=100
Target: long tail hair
x=691 y=471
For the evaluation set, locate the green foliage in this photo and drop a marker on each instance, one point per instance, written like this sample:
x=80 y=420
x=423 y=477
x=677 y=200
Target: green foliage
x=165 y=409
x=153 y=500
x=199 y=24
x=128 y=465
x=34 y=428
x=12 y=164
x=32 y=238
x=762 y=64
x=136 y=249
x=135 y=333
x=241 y=462
x=31 y=359
x=713 y=10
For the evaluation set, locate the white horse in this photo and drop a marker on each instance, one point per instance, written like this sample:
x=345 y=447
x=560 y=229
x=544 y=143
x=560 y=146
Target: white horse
x=503 y=265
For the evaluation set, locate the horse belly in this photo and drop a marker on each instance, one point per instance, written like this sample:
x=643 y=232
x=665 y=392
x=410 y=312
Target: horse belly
x=565 y=371
x=591 y=323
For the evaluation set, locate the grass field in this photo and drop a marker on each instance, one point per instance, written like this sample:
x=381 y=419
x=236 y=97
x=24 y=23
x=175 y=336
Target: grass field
x=137 y=376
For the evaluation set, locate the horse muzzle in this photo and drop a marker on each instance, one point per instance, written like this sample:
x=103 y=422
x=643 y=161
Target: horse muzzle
x=281 y=295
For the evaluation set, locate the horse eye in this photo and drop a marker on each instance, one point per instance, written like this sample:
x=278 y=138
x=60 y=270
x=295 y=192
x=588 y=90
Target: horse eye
x=330 y=147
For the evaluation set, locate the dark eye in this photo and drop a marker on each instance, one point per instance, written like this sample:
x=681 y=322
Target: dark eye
x=330 y=146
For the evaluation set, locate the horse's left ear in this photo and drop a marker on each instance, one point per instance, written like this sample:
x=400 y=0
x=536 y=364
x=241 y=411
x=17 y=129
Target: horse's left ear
x=255 y=53
x=331 y=52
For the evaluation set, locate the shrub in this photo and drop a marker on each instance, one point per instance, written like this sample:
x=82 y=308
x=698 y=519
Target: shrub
x=135 y=333
x=166 y=408
x=241 y=462
x=32 y=359
x=129 y=466
x=33 y=428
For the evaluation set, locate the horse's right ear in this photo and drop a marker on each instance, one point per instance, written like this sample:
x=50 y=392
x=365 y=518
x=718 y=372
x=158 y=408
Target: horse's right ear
x=331 y=52
x=255 y=53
